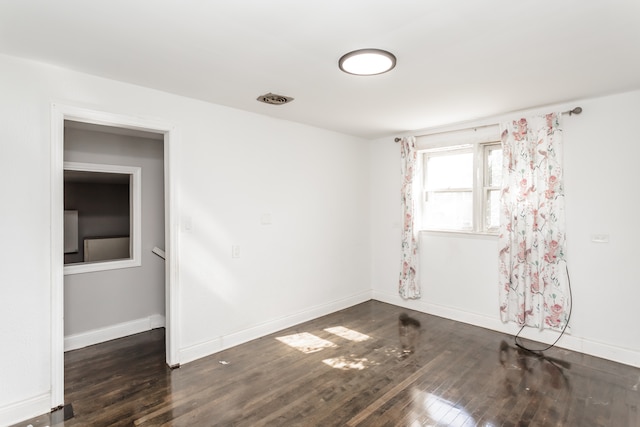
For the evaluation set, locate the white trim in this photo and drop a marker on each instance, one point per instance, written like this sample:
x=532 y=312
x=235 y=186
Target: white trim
x=135 y=228
x=200 y=350
x=112 y=332
x=57 y=259
x=171 y=235
x=593 y=348
x=23 y=410
x=156 y=321
x=233 y=339
x=60 y=113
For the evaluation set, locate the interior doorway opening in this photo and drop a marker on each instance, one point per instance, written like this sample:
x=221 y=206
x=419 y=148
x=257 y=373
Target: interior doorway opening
x=118 y=126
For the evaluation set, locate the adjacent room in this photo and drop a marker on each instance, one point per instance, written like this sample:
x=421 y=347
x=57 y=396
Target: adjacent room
x=282 y=213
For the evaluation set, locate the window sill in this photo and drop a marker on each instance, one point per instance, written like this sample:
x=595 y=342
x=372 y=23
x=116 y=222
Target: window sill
x=460 y=233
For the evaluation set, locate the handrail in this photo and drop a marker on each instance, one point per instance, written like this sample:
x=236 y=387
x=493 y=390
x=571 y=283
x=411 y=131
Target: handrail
x=156 y=250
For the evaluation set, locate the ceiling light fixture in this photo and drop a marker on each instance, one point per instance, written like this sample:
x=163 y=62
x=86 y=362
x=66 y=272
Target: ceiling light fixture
x=367 y=62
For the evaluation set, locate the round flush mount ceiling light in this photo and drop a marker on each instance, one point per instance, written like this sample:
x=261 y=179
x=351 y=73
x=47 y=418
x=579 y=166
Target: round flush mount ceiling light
x=367 y=62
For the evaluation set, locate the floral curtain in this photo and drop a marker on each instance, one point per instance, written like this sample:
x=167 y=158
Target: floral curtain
x=408 y=286
x=533 y=276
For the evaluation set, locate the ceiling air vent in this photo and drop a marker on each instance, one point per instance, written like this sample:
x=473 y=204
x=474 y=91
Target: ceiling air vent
x=272 y=98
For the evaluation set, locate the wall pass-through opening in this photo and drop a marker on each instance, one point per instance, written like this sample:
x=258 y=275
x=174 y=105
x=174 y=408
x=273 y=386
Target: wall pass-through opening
x=102 y=218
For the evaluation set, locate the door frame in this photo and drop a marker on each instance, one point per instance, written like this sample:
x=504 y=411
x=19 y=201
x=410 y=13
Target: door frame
x=60 y=113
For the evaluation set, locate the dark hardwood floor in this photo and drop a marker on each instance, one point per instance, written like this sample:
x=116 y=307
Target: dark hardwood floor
x=349 y=369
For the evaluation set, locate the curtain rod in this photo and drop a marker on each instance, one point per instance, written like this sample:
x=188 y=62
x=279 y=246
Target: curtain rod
x=576 y=110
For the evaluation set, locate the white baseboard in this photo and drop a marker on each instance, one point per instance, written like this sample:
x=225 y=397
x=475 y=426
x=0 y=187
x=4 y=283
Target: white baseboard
x=157 y=321
x=582 y=345
x=207 y=348
x=23 y=410
x=197 y=351
x=108 y=333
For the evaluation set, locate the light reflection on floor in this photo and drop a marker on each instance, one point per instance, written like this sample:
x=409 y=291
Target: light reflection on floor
x=348 y=363
x=348 y=334
x=430 y=409
x=309 y=343
x=306 y=342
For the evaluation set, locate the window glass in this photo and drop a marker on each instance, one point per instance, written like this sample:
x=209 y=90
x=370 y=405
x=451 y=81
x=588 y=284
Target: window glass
x=492 y=219
x=446 y=171
x=449 y=189
x=494 y=166
x=493 y=180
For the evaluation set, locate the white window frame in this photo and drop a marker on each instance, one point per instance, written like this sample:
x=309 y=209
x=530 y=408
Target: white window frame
x=135 y=241
x=480 y=190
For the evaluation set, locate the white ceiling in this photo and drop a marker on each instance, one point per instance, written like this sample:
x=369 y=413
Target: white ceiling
x=458 y=60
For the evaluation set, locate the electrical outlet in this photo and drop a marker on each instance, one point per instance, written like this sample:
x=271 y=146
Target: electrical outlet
x=600 y=238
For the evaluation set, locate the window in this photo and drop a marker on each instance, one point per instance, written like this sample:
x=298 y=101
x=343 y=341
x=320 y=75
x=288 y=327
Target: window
x=462 y=188
x=102 y=217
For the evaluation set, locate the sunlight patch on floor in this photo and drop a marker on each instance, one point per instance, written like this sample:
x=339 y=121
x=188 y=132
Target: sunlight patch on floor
x=348 y=334
x=347 y=364
x=306 y=342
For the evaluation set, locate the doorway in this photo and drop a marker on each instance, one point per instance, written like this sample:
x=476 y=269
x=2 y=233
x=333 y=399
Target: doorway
x=118 y=123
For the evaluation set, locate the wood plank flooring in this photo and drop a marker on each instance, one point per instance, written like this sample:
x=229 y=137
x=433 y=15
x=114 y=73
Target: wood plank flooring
x=315 y=375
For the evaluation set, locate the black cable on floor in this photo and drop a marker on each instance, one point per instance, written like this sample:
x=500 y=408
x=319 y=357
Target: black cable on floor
x=539 y=351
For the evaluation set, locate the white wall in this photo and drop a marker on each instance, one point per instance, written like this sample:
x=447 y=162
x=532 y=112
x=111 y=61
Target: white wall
x=459 y=272
x=98 y=300
x=232 y=167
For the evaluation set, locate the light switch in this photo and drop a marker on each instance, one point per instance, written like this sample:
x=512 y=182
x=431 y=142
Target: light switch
x=187 y=223
x=235 y=251
x=265 y=219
